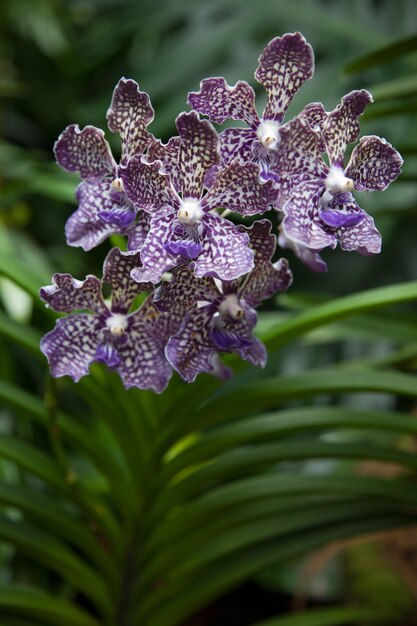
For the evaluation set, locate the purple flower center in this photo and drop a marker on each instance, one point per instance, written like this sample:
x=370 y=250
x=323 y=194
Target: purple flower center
x=337 y=218
x=228 y=340
x=119 y=216
x=186 y=247
x=108 y=354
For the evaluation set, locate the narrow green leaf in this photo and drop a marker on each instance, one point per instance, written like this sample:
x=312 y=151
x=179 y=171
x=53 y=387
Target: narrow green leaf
x=387 y=54
x=286 y=422
x=197 y=551
x=20 y=334
x=36 y=604
x=249 y=489
x=255 y=458
x=339 y=309
x=402 y=87
x=172 y=603
x=189 y=518
x=32 y=460
x=76 y=434
x=24 y=275
x=58 y=520
x=55 y=555
x=271 y=392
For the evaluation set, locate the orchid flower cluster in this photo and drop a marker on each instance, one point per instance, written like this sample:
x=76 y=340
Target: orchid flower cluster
x=203 y=274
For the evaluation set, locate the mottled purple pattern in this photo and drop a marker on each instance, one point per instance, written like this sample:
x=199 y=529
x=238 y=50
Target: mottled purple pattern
x=354 y=229
x=238 y=143
x=302 y=223
x=283 y=67
x=199 y=150
x=342 y=125
x=315 y=115
x=143 y=363
x=299 y=152
x=116 y=273
x=298 y=160
x=374 y=164
x=146 y=186
x=310 y=258
x=225 y=253
x=266 y=278
x=68 y=294
x=71 y=347
x=251 y=349
x=132 y=344
x=137 y=232
x=129 y=114
x=364 y=237
x=219 y=101
x=155 y=258
x=183 y=290
x=169 y=155
x=85 y=151
x=85 y=228
x=191 y=350
x=238 y=188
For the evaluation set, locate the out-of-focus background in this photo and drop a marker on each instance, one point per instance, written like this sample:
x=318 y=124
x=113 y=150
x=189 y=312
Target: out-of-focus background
x=59 y=63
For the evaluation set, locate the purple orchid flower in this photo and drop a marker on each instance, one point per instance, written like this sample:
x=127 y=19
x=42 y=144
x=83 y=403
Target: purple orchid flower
x=184 y=224
x=220 y=315
x=131 y=343
x=319 y=208
x=310 y=258
x=285 y=64
x=103 y=208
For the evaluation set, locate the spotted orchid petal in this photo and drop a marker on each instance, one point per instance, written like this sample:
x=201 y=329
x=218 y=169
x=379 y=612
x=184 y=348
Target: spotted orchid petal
x=374 y=164
x=225 y=254
x=219 y=101
x=137 y=232
x=154 y=255
x=191 y=351
x=85 y=151
x=362 y=236
x=146 y=186
x=298 y=160
x=169 y=155
x=182 y=289
x=310 y=258
x=315 y=115
x=247 y=347
x=238 y=143
x=302 y=222
x=116 y=273
x=68 y=294
x=199 y=150
x=85 y=228
x=129 y=114
x=342 y=125
x=142 y=357
x=71 y=347
x=266 y=278
x=283 y=67
x=237 y=187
